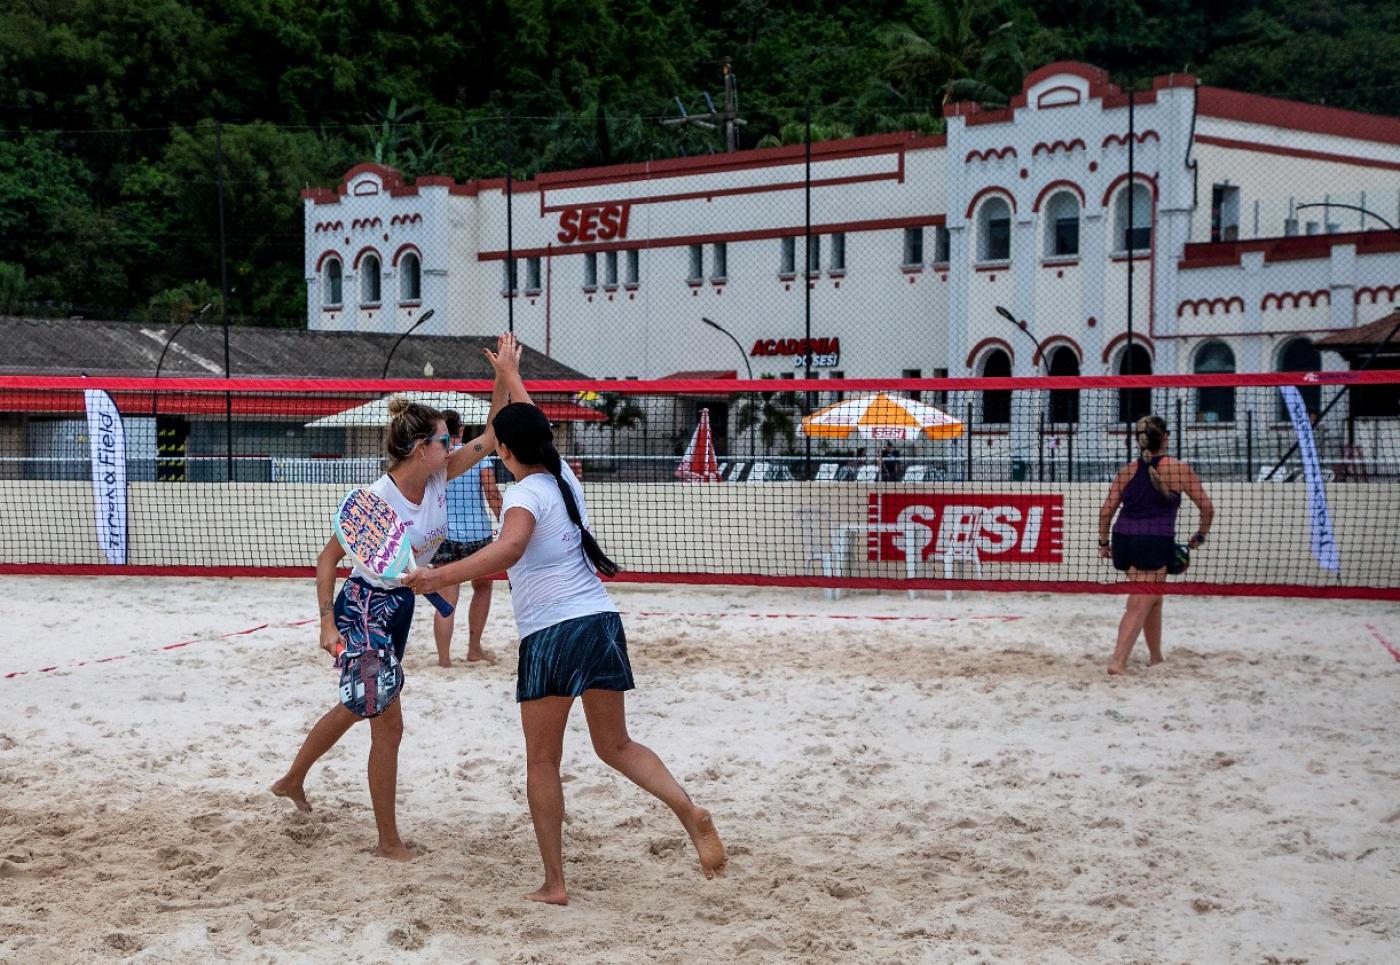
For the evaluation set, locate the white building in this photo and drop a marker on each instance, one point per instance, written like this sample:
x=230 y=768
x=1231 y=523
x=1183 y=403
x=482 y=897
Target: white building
x=916 y=240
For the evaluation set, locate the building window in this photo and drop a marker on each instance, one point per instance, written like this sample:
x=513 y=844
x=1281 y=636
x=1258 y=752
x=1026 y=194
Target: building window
x=609 y=269
x=1300 y=355
x=369 y=280
x=913 y=247
x=940 y=244
x=837 y=258
x=331 y=278
x=837 y=395
x=510 y=276
x=1062 y=225
x=1215 y=403
x=1133 y=219
x=1064 y=403
x=1133 y=404
x=532 y=274
x=996 y=403
x=590 y=270
x=940 y=396
x=697 y=263
x=914 y=394
x=634 y=267
x=410 y=278
x=787 y=261
x=1224 y=212
x=994 y=230
x=814 y=254
x=719 y=262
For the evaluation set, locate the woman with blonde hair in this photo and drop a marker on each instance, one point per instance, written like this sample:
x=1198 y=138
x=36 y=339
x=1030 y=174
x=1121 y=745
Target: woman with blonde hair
x=365 y=626
x=1148 y=492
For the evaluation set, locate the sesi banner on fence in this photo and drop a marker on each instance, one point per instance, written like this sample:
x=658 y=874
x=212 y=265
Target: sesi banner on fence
x=1008 y=527
x=107 y=443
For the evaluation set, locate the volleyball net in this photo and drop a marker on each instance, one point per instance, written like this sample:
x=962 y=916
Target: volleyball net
x=903 y=484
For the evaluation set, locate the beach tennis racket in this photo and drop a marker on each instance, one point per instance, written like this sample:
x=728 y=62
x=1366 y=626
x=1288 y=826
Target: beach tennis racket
x=372 y=532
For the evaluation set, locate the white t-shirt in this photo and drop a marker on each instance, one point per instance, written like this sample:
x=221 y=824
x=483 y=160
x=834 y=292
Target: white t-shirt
x=553 y=581
x=427 y=522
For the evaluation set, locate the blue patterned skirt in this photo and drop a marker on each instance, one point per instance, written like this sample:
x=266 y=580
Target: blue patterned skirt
x=585 y=653
x=374 y=624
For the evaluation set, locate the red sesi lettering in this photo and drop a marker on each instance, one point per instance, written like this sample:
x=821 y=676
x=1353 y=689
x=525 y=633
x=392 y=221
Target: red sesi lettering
x=568 y=223
x=622 y=222
x=607 y=223
x=587 y=221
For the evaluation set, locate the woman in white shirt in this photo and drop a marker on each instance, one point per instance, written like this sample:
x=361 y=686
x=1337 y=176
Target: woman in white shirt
x=365 y=626
x=572 y=643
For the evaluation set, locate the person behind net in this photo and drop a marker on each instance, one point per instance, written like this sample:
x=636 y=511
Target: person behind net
x=890 y=464
x=469 y=526
x=368 y=613
x=572 y=643
x=1146 y=494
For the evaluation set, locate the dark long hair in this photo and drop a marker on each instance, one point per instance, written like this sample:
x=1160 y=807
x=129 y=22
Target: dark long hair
x=526 y=432
x=1151 y=432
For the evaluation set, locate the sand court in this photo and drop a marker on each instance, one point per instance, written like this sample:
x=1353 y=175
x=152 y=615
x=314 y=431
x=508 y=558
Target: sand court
x=960 y=783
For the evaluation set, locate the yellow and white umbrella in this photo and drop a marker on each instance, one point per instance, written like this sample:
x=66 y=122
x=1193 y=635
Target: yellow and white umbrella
x=881 y=416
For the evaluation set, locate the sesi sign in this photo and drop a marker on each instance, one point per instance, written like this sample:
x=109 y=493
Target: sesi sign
x=825 y=352
x=1007 y=528
x=599 y=222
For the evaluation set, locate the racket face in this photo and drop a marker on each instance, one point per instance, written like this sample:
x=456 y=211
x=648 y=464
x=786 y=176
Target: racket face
x=372 y=532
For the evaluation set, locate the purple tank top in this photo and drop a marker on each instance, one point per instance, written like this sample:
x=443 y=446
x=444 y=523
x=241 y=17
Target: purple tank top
x=1145 y=511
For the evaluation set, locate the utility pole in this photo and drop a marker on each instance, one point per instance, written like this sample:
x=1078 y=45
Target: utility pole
x=713 y=118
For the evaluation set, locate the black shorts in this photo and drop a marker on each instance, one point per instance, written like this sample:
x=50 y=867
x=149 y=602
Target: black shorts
x=585 y=653
x=453 y=550
x=1142 y=552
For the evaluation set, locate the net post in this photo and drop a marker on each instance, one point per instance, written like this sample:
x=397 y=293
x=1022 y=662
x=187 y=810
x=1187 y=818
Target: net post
x=1180 y=426
x=1248 y=444
x=1041 y=448
x=968 y=423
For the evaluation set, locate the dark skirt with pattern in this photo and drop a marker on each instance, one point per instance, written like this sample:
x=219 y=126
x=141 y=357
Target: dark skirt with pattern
x=585 y=653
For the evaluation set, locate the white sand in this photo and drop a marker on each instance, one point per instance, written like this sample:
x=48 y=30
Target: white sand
x=891 y=791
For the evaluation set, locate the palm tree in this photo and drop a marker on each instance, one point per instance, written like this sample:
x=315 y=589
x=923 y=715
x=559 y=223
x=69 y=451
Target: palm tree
x=619 y=412
x=957 y=46
x=773 y=414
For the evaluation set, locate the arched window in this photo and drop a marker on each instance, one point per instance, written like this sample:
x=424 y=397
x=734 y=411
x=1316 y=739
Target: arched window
x=410 y=278
x=1300 y=355
x=1132 y=222
x=994 y=230
x=1215 y=403
x=1064 y=403
x=996 y=403
x=330 y=283
x=1062 y=225
x=369 y=280
x=1133 y=404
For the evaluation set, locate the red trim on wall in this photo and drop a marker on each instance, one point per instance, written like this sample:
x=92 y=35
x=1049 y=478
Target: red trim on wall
x=1149 y=179
x=407 y=247
x=367 y=250
x=1046 y=344
x=405 y=219
x=759 y=234
x=1217 y=254
x=1137 y=337
x=1054 y=186
x=1296 y=115
x=987 y=343
x=1393 y=291
x=328 y=226
x=1050 y=148
x=332 y=253
x=359 y=223
x=1040 y=104
x=1233 y=144
x=1000 y=153
x=1313 y=297
x=1225 y=305
x=990 y=189
x=1123 y=139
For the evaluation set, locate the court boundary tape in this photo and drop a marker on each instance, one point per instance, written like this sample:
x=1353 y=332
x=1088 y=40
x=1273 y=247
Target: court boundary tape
x=161 y=649
x=1384 y=642
x=1001 y=618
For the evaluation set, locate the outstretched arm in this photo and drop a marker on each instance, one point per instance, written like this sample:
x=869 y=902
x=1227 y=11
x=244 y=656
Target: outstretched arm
x=508 y=351
x=496 y=558
x=1191 y=486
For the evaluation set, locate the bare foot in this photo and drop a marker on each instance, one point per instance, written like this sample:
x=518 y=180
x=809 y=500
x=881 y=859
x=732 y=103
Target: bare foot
x=444 y=662
x=548 y=895
x=483 y=656
x=1117 y=670
x=396 y=852
x=1153 y=661
x=292 y=792
x=707 y=843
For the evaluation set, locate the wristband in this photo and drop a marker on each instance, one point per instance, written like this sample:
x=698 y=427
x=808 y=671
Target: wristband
x=1199 y=537
x=1103 y=543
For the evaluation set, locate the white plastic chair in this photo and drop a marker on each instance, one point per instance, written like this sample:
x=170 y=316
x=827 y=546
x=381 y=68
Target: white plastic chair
x=915 y=473
x=736 y=472
x=816 y=542
x=759 y=473
x=867 y=473
x=827 y=471
x=961 y=548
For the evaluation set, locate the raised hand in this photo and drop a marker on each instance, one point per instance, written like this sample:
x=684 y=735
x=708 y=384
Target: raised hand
x=506 y=359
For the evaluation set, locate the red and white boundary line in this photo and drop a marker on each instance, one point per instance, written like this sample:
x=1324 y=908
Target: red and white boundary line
x=1384 y=642
x=1000 y=618
x=168 y=646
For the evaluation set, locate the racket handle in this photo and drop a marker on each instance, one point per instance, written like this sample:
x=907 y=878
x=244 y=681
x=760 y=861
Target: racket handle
x=439 y=604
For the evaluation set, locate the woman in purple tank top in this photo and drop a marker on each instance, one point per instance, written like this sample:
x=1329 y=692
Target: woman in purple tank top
x=1146 y=495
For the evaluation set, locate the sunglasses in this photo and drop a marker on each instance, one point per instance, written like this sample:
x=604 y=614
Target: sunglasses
x=445 y=439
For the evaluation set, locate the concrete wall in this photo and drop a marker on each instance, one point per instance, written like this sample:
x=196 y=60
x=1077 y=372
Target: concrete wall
x=1260 y=536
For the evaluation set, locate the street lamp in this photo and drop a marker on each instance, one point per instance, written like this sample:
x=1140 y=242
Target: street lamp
x=178 y=329
x=394 y=348
x=742 y=354
x=1349 y=207
x=1006 y=314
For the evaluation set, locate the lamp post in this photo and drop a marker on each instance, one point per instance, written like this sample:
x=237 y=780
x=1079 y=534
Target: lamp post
x=742 y=354
x=1349 y=207
x=394 y=348
x=173 y=335
x=1006 y=314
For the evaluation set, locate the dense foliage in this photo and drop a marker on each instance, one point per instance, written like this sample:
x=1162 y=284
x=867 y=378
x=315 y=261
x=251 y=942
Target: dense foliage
x=108 y=174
